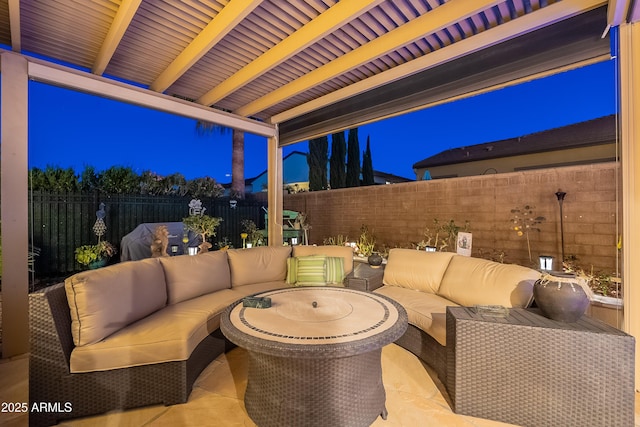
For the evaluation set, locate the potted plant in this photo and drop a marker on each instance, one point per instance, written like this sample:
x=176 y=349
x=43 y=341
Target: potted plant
x=524 y=222
x=606 y=303
x=251 y=233
x=442 y=236
x=366 y=244
x=95 y=256
x=203 y=225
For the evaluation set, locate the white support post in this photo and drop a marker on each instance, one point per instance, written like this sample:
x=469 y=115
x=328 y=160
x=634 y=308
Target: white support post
x=629 y=59
x=275 y=182
x=14 y=107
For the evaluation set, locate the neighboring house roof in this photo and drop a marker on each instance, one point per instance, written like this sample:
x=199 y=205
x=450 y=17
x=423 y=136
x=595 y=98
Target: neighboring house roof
x=388 y=177
x=592 y=132
x=250 y=181
x=296 y=169
x=291 y=168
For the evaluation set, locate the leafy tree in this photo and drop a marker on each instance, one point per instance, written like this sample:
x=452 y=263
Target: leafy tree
x=317 y=161
x=150 y=183
x=54 y=179
x=174 y=185
x=37 y=179
x=367 y=165
x=353 y=159
x=203 y=225
x=89 y=180
x=337 y=173
x=170 y=185
x=204 y=187
x=120 y=180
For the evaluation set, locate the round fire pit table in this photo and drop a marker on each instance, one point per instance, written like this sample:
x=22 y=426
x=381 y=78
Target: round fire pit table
x=314 y=355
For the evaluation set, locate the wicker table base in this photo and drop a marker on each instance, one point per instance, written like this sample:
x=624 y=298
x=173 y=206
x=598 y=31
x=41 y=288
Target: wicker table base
x=284 y=391
x=528 y=370
x=314 y=355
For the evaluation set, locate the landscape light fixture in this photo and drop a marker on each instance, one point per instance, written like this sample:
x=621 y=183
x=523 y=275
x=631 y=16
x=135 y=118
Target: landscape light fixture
x=560 y=195
x=546 y=263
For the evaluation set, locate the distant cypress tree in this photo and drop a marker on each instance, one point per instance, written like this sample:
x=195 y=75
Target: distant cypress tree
x=337 y=173
x=317 y=161
x=367 y=166
x=353 y=159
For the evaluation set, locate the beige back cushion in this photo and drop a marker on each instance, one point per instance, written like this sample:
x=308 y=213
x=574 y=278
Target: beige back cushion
x=105 y=300
x=258 y=265
x=345 y=252
x=191 y=276
x=413 y=269
x=469 y=281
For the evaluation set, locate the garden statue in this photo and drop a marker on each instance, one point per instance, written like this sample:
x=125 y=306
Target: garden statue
x=99 y=228
x=95 y=256
x=160 y=242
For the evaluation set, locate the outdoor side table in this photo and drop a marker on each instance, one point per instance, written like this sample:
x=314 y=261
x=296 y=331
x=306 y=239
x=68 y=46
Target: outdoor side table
x=365 y=277
x=529 y=370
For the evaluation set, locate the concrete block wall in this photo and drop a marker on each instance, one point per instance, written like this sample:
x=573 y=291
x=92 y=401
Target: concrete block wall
x=397 y=214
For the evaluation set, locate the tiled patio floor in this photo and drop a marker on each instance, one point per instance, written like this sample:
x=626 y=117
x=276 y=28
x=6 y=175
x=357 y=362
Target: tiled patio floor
x=413 y=398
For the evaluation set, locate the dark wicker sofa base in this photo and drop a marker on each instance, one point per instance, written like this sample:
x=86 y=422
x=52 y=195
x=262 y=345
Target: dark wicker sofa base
x=427 y=349
x=84 y=394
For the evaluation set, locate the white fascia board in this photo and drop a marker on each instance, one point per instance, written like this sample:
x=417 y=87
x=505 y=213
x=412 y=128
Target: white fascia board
x=77 y=80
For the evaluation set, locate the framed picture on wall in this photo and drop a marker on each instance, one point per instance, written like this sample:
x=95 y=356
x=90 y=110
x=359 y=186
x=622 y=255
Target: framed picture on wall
x=464 y=244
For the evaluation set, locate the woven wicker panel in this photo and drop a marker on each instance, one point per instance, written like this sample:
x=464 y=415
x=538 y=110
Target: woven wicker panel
x=364 y=278
x=532 y=371
x=285 y=391
x=425 y=347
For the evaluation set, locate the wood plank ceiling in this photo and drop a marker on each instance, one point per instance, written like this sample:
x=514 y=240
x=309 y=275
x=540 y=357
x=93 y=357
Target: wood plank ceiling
x=290 y=62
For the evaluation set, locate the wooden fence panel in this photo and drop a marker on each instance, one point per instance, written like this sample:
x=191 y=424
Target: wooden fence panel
x=62 y=222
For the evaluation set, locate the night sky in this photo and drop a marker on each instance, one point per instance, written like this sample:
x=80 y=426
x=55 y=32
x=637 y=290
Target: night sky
x=70 y=129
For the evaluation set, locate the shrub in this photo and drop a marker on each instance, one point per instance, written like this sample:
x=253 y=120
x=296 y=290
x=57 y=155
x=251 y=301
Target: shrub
x=54 y=179
x=204 y=187
x=120 y=180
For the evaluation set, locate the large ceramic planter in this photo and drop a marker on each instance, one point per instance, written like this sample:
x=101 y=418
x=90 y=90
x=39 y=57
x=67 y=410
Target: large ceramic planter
x=607 y=309
x=561 y=297
x=375 y=260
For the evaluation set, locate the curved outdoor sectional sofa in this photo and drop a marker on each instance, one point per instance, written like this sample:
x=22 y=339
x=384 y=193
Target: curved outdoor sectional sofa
x=139 y=333
x=426 y=283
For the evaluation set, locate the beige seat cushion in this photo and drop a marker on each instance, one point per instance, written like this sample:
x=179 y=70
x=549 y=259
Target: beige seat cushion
x=424 y=310
x=469 y=281
x=105 y=300
x=345 y=252
x=191 y=276
x=258 y=265
x=170 y=334
x=246 y=290
x=413 y=269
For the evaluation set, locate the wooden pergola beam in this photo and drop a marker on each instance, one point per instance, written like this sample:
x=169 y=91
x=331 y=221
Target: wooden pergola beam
x=220 y=25
x=325 y=23
x=121 y=22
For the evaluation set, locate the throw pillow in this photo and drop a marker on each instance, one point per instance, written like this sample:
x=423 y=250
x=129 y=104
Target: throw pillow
x=292 y=270
x=335 y=270
x=311 y=271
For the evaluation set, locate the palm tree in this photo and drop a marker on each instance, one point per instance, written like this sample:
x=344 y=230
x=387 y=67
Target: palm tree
x=237 y=154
